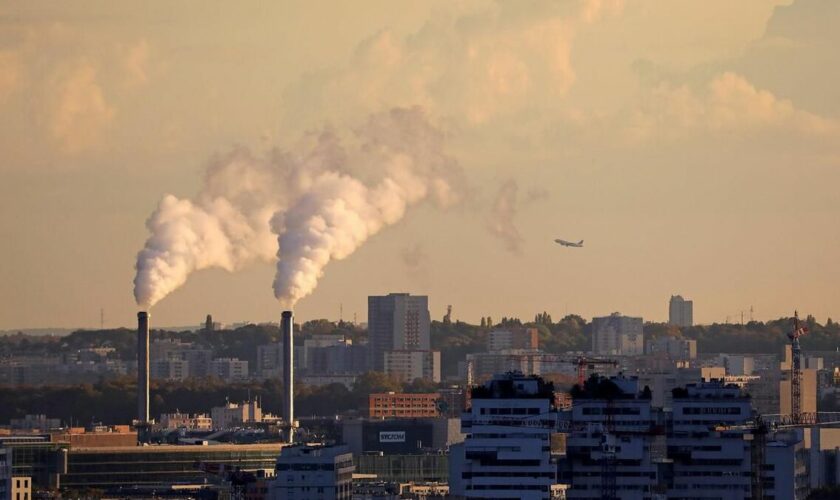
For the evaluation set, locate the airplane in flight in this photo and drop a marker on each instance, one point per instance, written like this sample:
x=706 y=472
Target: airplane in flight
x=565 y=243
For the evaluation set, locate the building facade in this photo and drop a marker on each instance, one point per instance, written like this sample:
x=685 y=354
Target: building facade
x=618 y=335
x=506 y=451
x=680 y=311
x=409 y=365
x=513 y=338
x=313 y=472
x=397 y=321
x=613 y=427
x=403 y=405
x=229 y=369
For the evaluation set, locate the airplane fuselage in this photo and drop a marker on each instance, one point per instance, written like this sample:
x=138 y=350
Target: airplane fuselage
x=565 y=243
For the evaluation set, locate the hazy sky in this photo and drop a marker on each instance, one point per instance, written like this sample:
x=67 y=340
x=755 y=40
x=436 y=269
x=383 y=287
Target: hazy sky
x=693 y=145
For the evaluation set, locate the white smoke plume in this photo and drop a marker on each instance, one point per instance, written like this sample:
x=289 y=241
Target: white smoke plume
x=305 y=207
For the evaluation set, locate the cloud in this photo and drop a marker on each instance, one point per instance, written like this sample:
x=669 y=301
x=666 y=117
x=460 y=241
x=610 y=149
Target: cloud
x=10 y=73
x=474 y=68
x=135 y=61
x=727 y=105
x=503 y=212
x=80 y=113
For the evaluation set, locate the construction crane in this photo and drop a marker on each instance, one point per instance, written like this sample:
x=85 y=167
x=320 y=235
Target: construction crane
x=796 y=368
x=584 y=363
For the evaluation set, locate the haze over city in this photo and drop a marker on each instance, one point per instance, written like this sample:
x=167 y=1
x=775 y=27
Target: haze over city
x=693 y=145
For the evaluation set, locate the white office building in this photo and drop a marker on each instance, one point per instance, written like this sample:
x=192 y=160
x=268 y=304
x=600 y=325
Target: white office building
x=612 y=428
x=506 y=452
x=709 y=442
x=307 y=472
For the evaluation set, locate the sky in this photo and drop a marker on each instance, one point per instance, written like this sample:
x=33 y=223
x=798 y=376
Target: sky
x=694 y=146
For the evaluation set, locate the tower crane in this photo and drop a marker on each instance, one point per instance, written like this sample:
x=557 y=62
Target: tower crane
x=795 y=368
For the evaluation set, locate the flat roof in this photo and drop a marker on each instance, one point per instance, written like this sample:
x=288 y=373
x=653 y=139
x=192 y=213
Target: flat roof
x=183 y=448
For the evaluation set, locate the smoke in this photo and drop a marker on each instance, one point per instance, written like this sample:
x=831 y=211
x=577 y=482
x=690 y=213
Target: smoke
x=305 y=207
x=502 y=220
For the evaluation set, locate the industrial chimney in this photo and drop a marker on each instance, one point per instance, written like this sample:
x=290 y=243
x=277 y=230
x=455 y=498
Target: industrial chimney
x=286 y=327
x=143 y=367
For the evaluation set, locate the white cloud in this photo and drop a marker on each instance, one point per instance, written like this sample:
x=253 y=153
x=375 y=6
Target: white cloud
x=495 y=62
x=79 y=112
x=728 y=104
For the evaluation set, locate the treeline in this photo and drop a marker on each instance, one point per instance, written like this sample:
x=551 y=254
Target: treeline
x=239 y=343
x=115 y=401
x=752 y=337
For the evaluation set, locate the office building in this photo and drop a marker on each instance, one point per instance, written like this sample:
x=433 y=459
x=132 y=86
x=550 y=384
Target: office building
x=270 y=360
x=709 y=442
x=229 y=369
x=400 y=436
x=618 y=335
x=305 y=472
x=410 y=365
x=513 y=338
x=403 y=405
x=397 y=321
x=506 y=451
x=609 y=446
x=680 y=311
x=170 y=369
x=675 y=348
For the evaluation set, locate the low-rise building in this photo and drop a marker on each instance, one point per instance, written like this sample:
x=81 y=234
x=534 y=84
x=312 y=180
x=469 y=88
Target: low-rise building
x=403 y=405
x=234 y=414
x=313 y=472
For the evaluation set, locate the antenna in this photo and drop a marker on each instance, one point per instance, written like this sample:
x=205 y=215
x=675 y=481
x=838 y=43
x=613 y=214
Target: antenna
x=751 y=314
x=341 y=312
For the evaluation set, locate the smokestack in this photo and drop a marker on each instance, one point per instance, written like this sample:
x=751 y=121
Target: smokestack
x=143 y=367
x=287 y=326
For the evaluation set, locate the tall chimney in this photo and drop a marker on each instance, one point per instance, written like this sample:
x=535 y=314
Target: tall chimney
x=287 y=326
x=143 y=367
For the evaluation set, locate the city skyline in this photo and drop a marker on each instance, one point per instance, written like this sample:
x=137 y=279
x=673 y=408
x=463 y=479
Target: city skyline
x=693 y=146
